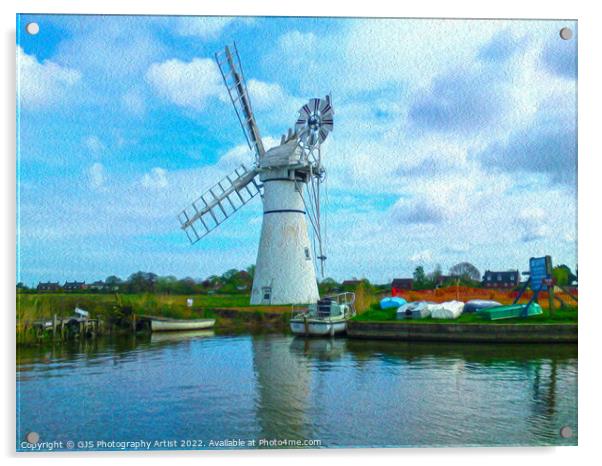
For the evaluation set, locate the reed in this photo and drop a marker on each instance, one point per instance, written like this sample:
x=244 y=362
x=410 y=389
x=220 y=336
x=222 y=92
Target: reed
x=364 y=299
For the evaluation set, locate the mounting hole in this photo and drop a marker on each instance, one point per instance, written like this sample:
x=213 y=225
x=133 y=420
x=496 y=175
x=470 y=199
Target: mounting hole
x=32 y=28
x=32 y=437
x=566 y=432
x=566 y=34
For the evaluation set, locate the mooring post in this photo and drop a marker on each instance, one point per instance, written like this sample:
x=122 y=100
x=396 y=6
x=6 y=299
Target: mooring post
x=134 y=323
x=551 y=299
x=54 y=326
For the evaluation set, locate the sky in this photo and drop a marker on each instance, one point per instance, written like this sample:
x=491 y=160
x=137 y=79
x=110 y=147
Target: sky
x=453 y=140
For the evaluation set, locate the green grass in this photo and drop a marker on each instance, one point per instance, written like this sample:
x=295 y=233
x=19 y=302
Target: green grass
x=375 y=314
x=35 y=307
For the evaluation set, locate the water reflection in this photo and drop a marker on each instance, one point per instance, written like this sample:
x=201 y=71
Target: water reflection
x=343 y=392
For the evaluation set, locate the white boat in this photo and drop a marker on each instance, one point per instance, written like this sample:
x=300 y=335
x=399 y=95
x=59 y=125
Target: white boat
x=447 y=310
x=414 y=310
x=167 y=325
x=327 y=317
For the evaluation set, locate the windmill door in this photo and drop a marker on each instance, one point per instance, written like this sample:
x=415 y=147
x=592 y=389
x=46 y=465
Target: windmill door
x=266 y=295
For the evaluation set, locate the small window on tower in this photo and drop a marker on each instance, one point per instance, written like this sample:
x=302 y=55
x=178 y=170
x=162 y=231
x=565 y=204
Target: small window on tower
x=267 y=294
x=307 y=255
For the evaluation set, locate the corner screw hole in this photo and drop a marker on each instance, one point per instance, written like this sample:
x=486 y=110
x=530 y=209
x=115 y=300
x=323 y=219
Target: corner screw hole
x=566 y=34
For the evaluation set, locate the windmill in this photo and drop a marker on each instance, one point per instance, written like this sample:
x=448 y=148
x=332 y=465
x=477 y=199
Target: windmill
x=287 y=178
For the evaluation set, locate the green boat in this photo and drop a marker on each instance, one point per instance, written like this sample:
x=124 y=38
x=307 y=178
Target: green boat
x=511 y=311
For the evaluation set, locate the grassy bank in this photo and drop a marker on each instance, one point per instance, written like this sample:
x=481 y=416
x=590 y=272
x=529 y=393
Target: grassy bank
x=565 y=315
x=42 y=306
x=232 y=312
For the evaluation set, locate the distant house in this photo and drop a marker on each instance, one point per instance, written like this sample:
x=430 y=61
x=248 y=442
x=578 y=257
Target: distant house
x=98 y=285
x=442 y=278
x=399 y=285
x=48 y=286
x=350 y=283
x=509 y=279
x=74 y=286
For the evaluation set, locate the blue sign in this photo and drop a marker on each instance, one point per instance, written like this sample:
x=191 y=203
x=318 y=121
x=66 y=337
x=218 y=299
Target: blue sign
x=540 y=270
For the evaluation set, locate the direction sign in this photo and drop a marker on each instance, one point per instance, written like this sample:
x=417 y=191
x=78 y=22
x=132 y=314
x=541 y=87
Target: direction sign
x=540 y=271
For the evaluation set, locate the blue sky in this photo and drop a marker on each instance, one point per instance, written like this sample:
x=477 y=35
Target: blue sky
x=454 y=140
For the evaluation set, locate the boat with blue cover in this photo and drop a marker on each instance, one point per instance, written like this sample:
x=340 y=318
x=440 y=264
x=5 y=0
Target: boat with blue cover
x=392 y=302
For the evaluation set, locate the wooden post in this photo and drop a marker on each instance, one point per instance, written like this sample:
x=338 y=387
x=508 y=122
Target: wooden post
x=54 y=326
x=551 y=299
x=133 y=323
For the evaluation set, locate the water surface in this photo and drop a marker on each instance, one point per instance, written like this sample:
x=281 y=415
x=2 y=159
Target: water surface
x=196 y=390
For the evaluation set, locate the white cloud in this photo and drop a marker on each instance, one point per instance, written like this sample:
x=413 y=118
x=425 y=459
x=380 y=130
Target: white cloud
x=41 y=84
x=422 y=257
x=156 y=179
x=265 y=95
x=186 y=84
x=96 y=175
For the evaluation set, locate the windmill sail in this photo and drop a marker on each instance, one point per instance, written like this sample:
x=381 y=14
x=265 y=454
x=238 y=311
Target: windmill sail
x=218 y=203
x=234 y=79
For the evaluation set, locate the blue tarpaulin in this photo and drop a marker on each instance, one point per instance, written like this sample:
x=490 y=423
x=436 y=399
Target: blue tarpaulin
x=391 y=302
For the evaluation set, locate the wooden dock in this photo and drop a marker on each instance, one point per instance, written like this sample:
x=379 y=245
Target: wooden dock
x=65 y=328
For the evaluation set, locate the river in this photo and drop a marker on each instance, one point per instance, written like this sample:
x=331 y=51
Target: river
x=200 y=390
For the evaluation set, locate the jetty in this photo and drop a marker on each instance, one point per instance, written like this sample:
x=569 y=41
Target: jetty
x=66 y=328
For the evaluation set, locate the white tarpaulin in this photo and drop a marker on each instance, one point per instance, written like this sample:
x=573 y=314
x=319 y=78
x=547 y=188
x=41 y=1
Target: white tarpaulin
x=447 y=310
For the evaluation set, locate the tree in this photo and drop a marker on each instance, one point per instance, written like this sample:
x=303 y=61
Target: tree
x=113 y=282
x=229 y=275
x=563 y=275
x=186 y=286
x=466 y=271
x=141 y=282
x=421 y=281
x=251 y=271
x=435 y=275
x=328 y=285
x=167 y=284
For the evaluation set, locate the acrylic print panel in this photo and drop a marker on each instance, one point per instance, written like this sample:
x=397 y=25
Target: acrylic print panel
x=249 y=232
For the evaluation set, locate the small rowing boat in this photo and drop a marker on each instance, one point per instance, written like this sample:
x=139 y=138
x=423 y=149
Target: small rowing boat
x=161 y=324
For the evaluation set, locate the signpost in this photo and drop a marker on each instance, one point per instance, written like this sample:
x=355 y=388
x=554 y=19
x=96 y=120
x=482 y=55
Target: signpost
x=540 y=272
x=540 y=279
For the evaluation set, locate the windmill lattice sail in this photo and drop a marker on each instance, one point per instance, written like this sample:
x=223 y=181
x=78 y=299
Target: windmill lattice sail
x=218 y=203
x=234 y=79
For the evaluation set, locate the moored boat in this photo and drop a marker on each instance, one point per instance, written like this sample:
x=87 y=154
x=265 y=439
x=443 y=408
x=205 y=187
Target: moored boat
x=478 y=305
x=327 y=317
x=392 y=302
x=167 y=325
x=414 y=310
x=511 y=311
x=447 y=310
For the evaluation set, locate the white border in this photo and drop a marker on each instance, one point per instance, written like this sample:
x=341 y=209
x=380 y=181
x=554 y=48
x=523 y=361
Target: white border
x=589 y=218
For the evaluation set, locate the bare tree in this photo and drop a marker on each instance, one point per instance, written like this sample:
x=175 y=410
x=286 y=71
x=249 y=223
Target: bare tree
x=465 y=270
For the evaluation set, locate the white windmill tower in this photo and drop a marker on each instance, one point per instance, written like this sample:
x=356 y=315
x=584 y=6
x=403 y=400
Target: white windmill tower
x=288 y=178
